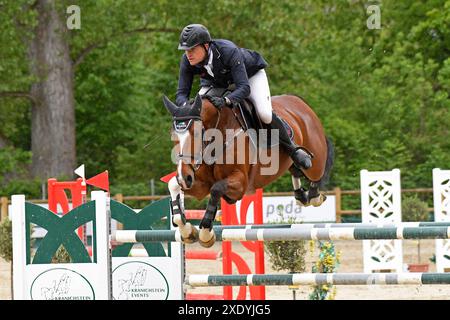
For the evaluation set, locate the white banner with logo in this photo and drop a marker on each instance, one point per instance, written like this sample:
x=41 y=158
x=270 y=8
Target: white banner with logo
x=284 y=208
x=276 y=209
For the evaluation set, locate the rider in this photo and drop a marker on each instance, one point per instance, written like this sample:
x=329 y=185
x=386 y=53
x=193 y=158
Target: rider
x=220 y=63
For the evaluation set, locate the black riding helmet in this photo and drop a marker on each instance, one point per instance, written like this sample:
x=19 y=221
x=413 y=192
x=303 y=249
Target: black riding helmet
x=192 y=35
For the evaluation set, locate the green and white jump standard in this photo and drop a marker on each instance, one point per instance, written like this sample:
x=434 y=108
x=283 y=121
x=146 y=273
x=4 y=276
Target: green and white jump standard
x=38 y=278
x=293 y=234
x=318 y=279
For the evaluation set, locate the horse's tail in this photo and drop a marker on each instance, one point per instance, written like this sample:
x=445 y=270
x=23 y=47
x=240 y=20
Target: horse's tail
x=328 y=164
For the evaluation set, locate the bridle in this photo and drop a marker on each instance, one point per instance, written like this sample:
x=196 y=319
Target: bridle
x=183 y=124
x=180 y=126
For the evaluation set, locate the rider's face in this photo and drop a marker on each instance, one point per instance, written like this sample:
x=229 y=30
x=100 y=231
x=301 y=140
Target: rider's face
x=196 y=54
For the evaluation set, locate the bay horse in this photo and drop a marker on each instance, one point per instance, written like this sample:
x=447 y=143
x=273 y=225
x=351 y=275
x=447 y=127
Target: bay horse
x=232 y=180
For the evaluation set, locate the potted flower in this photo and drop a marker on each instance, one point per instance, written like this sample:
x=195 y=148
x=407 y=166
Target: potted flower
x=414 y=209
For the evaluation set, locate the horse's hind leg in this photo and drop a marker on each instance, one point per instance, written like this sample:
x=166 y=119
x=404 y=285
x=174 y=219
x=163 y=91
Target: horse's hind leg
x=188 y=232
x=300 y=193
x=315 y=197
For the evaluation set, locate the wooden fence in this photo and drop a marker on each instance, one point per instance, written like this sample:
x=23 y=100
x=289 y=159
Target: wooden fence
x=337 y=192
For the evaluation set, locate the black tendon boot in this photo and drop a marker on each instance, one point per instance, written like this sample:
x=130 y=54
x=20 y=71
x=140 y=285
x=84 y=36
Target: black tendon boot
x=299 y=156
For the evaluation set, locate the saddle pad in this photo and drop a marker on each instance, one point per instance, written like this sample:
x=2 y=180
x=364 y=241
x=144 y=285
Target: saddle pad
x=252 y=121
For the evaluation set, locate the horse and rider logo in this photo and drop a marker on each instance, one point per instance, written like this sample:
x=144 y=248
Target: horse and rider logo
x=138 y=280
x=61 y=284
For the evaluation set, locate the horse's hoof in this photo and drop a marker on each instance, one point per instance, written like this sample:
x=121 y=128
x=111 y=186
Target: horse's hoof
x=207 y=238
x=189 y=233
x=317 y=201
x=301 y=195
x=302 y=204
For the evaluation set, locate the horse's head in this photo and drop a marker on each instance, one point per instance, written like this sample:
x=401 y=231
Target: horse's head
x=188 y=130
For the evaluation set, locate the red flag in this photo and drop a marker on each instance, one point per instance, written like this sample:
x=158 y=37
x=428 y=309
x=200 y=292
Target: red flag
x=168 y=177
x=101 y=181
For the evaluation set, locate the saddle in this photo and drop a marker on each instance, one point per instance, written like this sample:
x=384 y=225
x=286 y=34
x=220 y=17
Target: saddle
x=248 y=118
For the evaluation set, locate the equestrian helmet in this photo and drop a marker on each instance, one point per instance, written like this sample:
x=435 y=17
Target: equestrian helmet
x=193 y=35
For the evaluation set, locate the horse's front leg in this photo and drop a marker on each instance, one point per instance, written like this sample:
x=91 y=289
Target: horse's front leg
x=234 y=188
x=188 y=232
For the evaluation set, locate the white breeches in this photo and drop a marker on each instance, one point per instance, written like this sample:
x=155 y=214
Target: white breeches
x=259 y=95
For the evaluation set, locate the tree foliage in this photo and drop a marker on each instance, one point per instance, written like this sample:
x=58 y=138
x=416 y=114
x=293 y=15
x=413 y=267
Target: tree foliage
x=382 y=95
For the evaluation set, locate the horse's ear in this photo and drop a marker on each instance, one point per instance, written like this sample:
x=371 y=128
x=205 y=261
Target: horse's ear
x=170 y=106
x=197 y=105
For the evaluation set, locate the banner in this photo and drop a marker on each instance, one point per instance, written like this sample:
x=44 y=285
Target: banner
x=276 y=209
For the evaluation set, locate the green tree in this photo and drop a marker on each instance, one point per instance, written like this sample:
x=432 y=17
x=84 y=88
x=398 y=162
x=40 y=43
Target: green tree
x=382 y=95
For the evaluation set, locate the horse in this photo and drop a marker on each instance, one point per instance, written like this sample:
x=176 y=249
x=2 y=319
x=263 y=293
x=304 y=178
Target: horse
x=231 y=180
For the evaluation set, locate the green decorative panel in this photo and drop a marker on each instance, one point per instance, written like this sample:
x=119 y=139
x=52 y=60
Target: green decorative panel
x=60 y=231
x=147 y=219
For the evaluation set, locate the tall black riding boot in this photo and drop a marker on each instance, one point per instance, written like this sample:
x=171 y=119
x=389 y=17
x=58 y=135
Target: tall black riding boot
x=299 y=156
